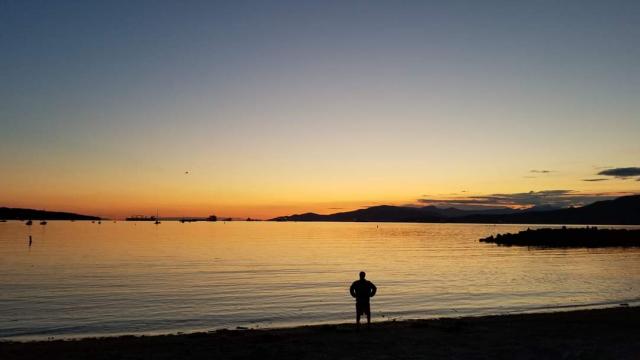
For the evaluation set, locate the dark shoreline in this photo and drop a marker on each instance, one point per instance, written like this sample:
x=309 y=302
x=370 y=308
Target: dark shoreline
x=21 y=214
x=612 y=333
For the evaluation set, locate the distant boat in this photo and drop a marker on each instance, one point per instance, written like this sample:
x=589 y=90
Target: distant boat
x=212 y=218
x=157 y=218
x=188 y=220
x=99 y=222
x=29 y=223
x=43 y=222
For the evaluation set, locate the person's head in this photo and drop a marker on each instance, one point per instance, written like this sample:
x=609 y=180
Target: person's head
x=362 y=275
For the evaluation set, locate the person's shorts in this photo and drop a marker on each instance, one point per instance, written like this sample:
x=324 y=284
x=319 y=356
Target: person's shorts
x=363 y=308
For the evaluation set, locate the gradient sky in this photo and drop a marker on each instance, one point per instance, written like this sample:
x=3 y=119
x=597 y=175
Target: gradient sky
x=290 y=106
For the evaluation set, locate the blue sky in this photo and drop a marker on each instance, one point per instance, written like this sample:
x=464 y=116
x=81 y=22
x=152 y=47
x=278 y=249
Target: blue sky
x=298 y=104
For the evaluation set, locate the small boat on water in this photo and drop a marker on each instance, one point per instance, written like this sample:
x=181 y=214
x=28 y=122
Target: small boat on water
x=29 y=223
x=43 y=222
x=188 y=220
x=157 y=222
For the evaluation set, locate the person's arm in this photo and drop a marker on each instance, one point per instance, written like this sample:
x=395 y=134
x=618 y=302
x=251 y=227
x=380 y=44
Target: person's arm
x=374 y=289
x=352 y=290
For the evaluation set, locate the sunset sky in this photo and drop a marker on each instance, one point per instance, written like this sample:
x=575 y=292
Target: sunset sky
x=267 y=108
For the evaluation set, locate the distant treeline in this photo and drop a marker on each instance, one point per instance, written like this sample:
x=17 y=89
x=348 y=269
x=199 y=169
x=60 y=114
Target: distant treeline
x=591 y=237
x=27 y=214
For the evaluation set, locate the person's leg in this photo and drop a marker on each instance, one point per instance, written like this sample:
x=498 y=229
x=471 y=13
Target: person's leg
x=358 y=315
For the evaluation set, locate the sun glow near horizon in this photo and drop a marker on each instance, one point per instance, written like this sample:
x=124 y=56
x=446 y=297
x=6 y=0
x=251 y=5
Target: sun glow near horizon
x=268 y=109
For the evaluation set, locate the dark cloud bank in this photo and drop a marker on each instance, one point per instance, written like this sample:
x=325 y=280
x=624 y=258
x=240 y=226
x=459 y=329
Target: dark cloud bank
x=623 y=172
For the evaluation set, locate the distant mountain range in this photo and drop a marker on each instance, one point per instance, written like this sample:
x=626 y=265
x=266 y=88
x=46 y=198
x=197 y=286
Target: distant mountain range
x=26 y=214
x=623 y=211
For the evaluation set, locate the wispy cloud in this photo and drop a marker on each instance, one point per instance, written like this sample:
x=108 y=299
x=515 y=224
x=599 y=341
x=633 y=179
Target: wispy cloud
x=598 y=179
x=558 y=198
x=541 y=171
x=621 y=172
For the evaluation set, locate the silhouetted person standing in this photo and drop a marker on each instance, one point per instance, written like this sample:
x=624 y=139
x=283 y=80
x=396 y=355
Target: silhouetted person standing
x=363 y=290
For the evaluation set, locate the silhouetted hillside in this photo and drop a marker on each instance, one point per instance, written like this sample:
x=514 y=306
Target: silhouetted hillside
x=624 y=210
x=24 y=214
x=452 y=212
x=383 y=213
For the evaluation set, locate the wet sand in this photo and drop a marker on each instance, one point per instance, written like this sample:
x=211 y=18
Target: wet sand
x=587 y=334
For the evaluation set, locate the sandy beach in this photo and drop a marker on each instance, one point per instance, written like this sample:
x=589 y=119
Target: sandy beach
x=586 y=334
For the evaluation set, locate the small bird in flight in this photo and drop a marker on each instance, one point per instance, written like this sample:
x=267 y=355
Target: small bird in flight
x=186 y=173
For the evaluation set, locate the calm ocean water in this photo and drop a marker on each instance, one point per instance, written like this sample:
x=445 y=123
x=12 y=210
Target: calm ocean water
x=84 y=279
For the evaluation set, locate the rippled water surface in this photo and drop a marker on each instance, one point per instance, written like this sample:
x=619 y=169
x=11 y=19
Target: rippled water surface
x=81 y=279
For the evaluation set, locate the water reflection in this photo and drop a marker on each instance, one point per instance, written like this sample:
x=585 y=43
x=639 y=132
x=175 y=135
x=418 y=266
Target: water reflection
x=82 y=279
